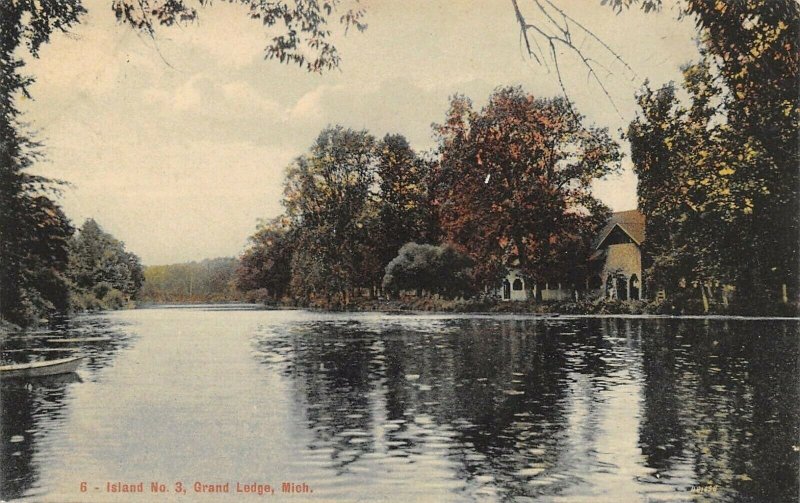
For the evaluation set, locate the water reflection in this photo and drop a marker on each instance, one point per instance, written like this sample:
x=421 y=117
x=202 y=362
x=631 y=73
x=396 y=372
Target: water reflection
x=411 y=408
x=573 y=409
x=32 y=408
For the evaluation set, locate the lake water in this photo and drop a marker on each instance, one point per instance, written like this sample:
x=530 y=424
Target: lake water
x=368 y=407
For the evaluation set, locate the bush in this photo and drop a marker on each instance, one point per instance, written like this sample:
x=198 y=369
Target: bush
x=114 y=299
x=433 y=269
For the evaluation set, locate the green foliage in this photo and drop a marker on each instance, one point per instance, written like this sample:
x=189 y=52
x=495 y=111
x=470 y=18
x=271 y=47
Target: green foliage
x=729 y=159
x=405 y=212
x=33 y=239
x=210 y=280
x=101 y=268
x=265 y=267
x=718 y=176
x=433 y=269
x=33 y=229
x=328 y=198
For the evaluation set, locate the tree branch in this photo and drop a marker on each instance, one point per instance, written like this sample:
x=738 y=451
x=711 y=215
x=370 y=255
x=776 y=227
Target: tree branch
x=560 y=31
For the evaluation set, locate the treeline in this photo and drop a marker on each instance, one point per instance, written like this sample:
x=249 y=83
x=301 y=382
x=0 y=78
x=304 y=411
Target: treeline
x=101 y=273
x=508 y=185
x=210 y=280
x=63 y=269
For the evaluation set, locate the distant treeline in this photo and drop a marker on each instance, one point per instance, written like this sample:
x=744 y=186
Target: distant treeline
x=211 y=280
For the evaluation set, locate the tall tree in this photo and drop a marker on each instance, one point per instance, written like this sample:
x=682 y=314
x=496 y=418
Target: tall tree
x=405 y=213
x=753 y=51
x=328 y=200
x=33 y=230
x=699 y=187
x=518 y=174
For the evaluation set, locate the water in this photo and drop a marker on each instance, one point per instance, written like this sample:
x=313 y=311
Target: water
x=364 y=407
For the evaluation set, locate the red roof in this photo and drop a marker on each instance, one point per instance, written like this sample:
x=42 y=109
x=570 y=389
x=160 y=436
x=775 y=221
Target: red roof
x=631 y=222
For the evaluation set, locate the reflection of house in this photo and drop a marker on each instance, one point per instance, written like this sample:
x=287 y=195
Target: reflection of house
x=618 y=256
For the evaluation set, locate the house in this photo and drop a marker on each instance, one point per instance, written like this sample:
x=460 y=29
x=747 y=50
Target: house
x=616 y=258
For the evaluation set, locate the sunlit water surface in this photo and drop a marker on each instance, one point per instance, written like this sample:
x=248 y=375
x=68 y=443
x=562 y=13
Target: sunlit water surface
x=368 y=407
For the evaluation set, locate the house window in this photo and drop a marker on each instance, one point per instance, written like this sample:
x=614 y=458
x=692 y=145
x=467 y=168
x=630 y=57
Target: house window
x=517 y=284
x=506 y=290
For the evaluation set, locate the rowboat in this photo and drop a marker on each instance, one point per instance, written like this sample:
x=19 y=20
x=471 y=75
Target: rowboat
x=42 y=368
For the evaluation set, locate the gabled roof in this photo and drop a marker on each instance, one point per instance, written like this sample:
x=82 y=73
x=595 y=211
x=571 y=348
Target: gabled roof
x=631 y=222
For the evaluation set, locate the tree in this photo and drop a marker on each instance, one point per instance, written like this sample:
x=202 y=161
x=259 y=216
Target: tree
x=752 y=51
x=698 y=186
x=405 y=213
x=514 y=183
x=33 y=264
x=266 y=264
x=328 y=201
x=99 y=265
x=33 y=230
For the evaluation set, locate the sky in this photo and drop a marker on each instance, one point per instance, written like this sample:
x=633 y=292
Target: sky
x=177 y=146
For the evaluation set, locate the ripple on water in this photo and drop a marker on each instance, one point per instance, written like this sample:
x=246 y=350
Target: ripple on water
x=437 y=408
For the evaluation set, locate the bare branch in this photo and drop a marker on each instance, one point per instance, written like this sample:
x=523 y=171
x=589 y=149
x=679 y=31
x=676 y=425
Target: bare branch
x=562 y=26
x=524 y=32
x=595 y=37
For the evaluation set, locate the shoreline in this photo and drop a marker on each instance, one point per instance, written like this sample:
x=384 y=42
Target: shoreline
x=502 y=310
x=498 y=309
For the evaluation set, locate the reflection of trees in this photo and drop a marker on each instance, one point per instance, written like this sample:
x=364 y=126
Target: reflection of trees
x=773 y=375
x=662 y=435
x=494 y=389
x=721 y=400
x=510 y=401
x=334 y=372
x=30 y=409
x=517 y=414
